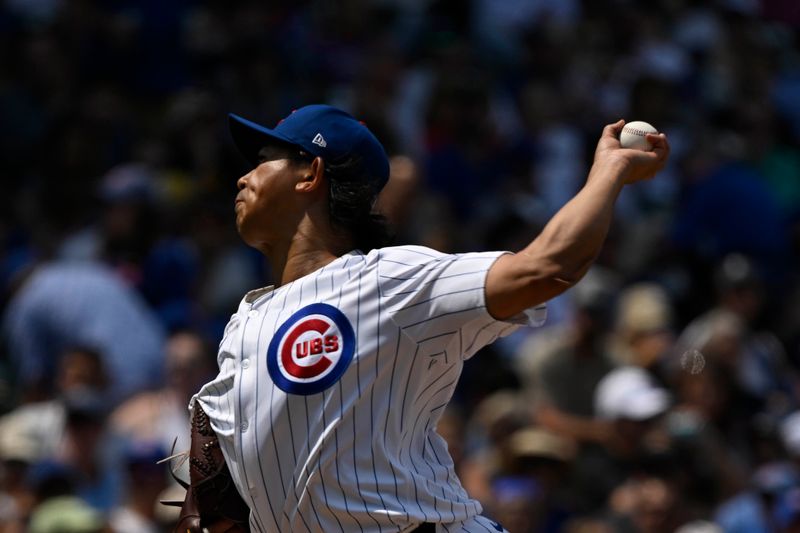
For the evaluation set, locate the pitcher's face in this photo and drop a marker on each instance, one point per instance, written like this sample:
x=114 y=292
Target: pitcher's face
x=267 y=197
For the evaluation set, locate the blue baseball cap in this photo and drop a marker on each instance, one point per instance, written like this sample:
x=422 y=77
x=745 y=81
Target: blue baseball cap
x=320 y=130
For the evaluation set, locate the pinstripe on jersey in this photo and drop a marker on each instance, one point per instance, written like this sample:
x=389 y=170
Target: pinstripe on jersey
x=362 y=454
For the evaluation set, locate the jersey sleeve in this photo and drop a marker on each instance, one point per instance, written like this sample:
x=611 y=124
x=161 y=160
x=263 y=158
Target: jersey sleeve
x=439 y=300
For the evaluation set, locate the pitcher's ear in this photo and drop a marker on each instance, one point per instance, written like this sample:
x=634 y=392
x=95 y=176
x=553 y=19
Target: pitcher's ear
x=314 y=176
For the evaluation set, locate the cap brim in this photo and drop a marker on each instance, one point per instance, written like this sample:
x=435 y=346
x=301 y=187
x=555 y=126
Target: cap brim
x=250 y=137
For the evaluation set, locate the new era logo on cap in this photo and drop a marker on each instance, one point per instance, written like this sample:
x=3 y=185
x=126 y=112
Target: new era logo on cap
x=319 y=140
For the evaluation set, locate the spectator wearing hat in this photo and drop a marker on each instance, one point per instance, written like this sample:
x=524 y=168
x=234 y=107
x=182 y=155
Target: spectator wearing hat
x=488 y=431
x=524 y=471
x=561 y=367
x=642 y=334
x=528 y=495
x=632 y=405
x=658 y=438
x=629 y=398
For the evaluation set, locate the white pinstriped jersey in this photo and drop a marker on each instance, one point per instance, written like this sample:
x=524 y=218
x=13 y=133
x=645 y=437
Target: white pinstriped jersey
x=330 y=388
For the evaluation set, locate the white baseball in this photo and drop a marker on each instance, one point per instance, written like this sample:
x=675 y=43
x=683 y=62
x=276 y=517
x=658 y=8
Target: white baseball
x=633 y=135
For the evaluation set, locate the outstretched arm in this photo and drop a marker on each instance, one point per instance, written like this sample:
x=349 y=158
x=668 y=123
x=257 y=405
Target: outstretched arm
x=570 y=242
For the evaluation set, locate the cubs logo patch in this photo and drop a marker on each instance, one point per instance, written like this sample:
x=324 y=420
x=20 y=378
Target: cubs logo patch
x=311 y=350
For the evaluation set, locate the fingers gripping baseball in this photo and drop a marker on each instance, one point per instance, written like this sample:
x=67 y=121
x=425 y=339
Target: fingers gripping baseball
x=640 y=164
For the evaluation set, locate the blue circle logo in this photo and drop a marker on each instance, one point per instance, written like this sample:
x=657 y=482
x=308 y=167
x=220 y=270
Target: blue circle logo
x=311 y=350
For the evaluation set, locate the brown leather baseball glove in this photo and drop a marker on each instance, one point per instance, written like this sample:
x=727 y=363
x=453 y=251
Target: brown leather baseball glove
x=212 y=501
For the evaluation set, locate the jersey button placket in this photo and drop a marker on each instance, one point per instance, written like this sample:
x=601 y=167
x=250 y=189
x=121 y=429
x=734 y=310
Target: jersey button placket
x=250 y=340
x=249 y=346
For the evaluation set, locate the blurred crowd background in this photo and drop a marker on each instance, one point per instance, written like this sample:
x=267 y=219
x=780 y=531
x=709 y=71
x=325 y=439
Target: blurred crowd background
x=662 y=395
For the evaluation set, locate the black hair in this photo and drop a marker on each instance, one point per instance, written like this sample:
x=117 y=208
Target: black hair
x=351 y=198
x=351 y=202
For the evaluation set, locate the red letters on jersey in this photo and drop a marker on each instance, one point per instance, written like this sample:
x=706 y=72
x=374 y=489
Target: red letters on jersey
x=314 y=346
